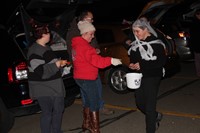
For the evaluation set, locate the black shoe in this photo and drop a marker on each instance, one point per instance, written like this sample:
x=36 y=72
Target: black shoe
x=157 y=125
x=158 y=119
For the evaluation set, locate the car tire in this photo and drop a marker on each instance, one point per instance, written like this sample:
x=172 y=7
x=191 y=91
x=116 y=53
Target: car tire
x=117 y=80
x=6 y=118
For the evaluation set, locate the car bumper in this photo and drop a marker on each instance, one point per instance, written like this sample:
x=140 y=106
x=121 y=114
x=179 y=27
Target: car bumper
x=26 y=109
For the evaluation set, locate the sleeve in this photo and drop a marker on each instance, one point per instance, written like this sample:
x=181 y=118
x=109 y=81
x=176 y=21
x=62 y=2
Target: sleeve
x=49 y=70
x=44 y=69
x=97 y=60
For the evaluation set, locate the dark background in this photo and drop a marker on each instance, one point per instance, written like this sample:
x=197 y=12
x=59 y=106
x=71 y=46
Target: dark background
x=113 y=10
x=117 y=10
x=104 y=10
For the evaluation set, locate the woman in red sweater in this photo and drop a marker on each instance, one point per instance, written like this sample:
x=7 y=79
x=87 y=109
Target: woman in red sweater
x=86 y=63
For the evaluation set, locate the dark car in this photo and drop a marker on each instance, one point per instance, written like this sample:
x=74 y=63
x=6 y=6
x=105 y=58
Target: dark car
x=15 y=39
x=170 y=18
x=111 y=38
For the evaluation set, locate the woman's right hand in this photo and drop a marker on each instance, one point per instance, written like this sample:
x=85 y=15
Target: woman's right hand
x=61 y=63
x=135 y=66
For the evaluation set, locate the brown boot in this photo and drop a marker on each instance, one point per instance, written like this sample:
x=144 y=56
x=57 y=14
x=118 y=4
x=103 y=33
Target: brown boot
x=94 y=117
x=86 y=120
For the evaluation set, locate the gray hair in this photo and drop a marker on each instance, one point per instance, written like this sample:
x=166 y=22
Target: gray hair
x=141 y=23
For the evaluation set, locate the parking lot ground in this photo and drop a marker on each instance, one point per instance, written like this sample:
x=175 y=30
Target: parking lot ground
x=178 y=100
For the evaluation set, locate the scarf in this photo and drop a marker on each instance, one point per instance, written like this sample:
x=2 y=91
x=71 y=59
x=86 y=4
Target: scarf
x=145 y=54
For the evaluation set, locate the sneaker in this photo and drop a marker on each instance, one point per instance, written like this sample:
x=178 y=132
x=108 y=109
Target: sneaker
x=106 y=111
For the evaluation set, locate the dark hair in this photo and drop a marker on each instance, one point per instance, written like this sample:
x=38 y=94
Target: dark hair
x=82 y=15
x=38 y=30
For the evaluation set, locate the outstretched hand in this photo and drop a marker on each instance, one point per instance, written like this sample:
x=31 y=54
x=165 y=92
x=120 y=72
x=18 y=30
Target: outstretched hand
x=115 y=61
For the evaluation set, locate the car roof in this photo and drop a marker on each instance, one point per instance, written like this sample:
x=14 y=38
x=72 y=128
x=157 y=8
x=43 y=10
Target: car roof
x=158 y=11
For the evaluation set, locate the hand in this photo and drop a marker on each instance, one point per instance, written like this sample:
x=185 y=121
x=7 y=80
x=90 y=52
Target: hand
x=135 y=66
x=61 y=63
x=115 y=61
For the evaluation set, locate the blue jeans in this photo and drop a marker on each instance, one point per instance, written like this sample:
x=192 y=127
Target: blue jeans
x=52 y=111
x=99 y=86
x=89 y=93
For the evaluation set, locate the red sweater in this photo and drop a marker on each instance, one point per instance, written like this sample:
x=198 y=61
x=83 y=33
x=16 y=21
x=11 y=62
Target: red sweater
x=86 y=61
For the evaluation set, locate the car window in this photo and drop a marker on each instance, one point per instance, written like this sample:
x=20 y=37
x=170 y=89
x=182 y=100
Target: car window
x=21 y=34
x=21 y=41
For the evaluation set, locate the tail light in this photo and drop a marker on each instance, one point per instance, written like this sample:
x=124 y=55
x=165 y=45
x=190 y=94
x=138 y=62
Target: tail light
x=18 y=73
x=183 y=34
x=10 y=75
x=21 y=71
x=27 y=101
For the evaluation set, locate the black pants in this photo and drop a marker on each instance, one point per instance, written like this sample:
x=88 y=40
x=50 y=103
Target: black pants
x=146 y=100
x=51 y=116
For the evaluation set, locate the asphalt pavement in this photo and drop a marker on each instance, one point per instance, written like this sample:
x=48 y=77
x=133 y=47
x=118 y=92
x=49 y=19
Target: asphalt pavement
x=178 y=100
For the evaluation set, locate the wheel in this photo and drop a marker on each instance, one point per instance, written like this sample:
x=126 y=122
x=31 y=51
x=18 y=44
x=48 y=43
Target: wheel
x=6 y=118
x=117 y=80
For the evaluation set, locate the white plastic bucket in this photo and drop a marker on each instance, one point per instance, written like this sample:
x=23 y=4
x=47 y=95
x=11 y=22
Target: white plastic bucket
x=133 y=80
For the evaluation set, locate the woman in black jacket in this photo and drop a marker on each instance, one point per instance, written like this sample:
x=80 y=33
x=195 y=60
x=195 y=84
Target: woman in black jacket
x=147 y=56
